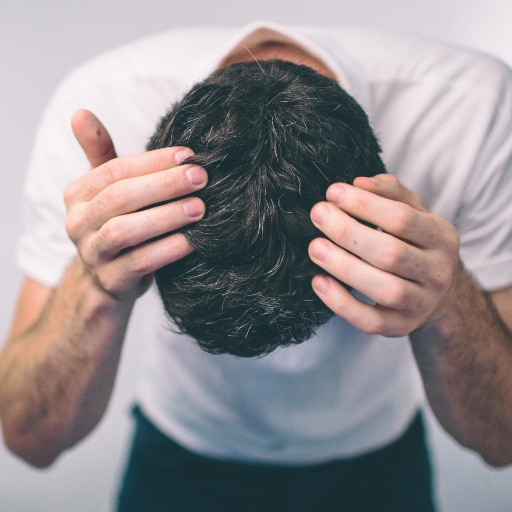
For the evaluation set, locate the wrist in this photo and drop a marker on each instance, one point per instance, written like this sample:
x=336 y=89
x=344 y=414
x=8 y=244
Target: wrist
x=94 y=295
x=462 y=296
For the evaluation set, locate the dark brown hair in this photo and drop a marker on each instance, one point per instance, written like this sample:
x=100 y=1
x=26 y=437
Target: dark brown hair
x=272 y=136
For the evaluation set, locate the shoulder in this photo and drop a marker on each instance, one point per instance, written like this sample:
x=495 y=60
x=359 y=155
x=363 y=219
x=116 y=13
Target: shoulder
x=173 y=55
x=130 y=87
x=397 y=58
x=443 y=113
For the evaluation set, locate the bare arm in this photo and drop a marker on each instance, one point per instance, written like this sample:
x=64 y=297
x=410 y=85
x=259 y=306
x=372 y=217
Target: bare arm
x=58 y=366
x=465 y=359
x=56 y=375
x=411 y=270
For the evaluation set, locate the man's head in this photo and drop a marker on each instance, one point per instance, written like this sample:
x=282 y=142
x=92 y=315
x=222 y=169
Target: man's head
x=272 y=136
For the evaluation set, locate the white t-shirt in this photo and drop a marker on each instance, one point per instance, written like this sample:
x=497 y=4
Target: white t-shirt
x=444 y=119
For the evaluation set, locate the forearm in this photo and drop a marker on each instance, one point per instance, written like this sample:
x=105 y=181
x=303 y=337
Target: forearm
x=465 y=359
x=56 y=377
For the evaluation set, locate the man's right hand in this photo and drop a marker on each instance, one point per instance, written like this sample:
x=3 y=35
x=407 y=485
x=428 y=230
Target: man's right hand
x=58 y=365
x=111 y=220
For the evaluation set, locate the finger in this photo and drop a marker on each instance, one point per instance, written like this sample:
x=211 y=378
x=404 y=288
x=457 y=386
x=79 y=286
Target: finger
x=393 y=255
x=365 y=317
x=144 y=259
x=125 y=167
x=133 y=194
x=381 y=287
x=93 y=137
x=387 y=185
x=130 y=230
x=394 y=217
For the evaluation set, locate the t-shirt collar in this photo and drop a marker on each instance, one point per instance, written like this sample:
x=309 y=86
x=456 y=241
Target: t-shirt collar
x=347 y=72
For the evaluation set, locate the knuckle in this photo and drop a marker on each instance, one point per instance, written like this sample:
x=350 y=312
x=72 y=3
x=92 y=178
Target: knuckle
x=401 y=326
x=395 y=296
x=359 y=205
x=88 y=255
x=374 y=326
x=114 y=170
x=74 y=225
x=70 y=193
x=168 y=181
x=116 y=194
x=391 y=179
x=342 y=231
x=441 y=280
x=448 y=235
x=454 y=238
x=390 y=183
x=71 y=226
x=412 y=323
x=111 y=235
x=162 y=159
x=393 y=255
x=107 y=280
x=138 y=264
x=418 y=201
x=170 y=214
x=402 y=218
x=403 y=329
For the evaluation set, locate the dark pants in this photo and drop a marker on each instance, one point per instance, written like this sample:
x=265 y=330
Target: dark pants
x=162 y=476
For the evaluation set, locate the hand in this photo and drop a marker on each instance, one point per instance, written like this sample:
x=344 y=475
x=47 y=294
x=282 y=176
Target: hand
x=108 y=219
x=407 y=268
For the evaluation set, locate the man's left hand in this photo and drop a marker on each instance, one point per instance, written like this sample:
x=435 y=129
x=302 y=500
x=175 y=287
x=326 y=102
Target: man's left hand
x=407 y=267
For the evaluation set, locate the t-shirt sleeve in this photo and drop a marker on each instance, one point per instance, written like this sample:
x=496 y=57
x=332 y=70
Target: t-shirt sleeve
x=129 y=92
x=484 y=220
x=44 y=250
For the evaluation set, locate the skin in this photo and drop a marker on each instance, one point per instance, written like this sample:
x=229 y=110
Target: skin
x=460 y=337
x=58 y=365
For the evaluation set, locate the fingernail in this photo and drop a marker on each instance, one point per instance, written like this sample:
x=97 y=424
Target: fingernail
x=320 y=213
x=181 y=155
x=321 y=284
x=196 y=175
x=335 y=192
x=319 y=249
x=193 y=207
x=375 y=180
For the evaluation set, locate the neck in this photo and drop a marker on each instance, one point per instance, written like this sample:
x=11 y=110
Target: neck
x=282 y=51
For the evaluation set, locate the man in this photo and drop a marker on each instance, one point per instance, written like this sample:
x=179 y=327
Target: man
x=329 y=405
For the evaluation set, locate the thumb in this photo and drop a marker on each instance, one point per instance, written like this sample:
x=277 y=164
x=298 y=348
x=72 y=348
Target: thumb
x=93 y=137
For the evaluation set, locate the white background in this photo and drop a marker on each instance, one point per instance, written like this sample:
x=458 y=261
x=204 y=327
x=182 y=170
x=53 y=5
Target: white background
x=40 y=42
